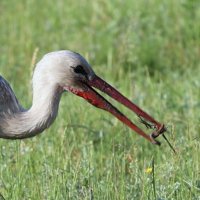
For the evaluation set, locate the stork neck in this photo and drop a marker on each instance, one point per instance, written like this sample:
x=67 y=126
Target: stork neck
x=45 y=105
x=40 y=116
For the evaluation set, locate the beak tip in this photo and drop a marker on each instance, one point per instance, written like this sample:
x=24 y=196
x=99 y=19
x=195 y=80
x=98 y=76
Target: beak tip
x=157 y=143
x=154 y=141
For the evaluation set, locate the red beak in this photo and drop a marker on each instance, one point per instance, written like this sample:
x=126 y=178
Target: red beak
x=97 y=100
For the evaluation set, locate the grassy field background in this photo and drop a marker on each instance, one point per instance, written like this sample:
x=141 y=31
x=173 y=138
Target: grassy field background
x=150 y=51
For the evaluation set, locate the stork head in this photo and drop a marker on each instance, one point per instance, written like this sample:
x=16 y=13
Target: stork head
x=64 y=69
x=70 y=71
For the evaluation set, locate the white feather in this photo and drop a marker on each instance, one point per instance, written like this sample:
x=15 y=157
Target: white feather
x=51 y=75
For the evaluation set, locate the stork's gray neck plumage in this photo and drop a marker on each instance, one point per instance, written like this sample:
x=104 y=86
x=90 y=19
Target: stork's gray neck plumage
x=18 y=123
x=53 y=73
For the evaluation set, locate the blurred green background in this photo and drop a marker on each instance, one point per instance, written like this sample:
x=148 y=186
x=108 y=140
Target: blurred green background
x=150 y=51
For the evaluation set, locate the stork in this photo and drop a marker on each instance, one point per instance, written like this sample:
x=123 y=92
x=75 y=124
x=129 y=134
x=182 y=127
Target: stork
x=55 y=73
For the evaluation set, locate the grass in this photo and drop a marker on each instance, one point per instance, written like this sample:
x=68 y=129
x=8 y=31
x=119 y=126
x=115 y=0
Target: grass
x=149 y=50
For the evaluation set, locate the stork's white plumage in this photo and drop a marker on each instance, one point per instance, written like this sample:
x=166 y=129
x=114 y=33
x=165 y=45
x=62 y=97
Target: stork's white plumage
x=58 y=72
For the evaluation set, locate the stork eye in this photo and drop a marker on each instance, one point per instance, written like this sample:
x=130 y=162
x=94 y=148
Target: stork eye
x=80 y=70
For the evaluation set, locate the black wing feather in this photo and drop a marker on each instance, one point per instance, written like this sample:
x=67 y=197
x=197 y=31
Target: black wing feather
x=8 y=100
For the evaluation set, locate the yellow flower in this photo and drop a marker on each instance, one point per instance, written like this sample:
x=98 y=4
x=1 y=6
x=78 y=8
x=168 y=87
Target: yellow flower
x=149 y=170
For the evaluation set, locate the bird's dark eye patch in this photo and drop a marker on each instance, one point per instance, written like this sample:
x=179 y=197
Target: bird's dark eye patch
x=80 y=70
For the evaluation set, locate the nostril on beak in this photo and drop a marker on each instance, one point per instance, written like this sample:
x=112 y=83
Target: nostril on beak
x=90 y=77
